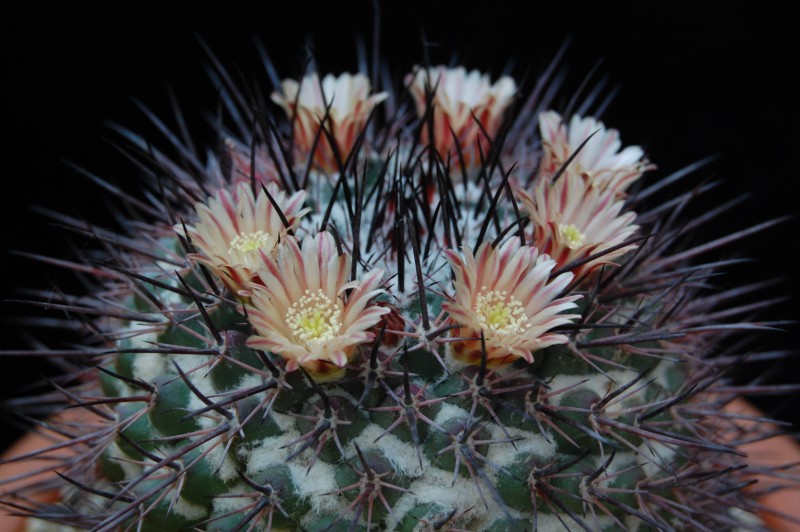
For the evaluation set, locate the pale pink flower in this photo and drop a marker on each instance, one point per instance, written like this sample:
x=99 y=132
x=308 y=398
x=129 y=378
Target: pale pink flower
x=235 y=228
x=504 y=292
x=573 y=219
x=306 y=104
x=463 y=102
x=305 y=309
x=600 y=161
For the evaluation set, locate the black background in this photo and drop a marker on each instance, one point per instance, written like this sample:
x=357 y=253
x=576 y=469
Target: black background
x=696 y=79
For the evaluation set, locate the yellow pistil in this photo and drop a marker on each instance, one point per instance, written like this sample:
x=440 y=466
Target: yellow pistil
x=314 y=318
x=248 y=242
x=571 y=236
x=500 y=313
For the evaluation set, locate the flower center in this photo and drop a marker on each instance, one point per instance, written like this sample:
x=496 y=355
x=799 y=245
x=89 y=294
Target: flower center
x=248 y=242
x=500 y=313
x=571 y=236
x=314 y=318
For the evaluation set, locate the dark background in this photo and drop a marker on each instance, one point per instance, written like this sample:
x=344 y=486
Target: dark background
x=696 y=79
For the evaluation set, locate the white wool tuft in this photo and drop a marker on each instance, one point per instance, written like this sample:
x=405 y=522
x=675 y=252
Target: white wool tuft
x=597 y=384
x=311 y=484
x=655 y=457
x=40 y=525
x=196 y=368
x=284 y=422
x=438 y=486
x=504 y=454
x=250 y=380
x=263 y=454
x=660 y=373
x=318 y=485
x=226 y=505
x=131 y=469
x=551 y=523
x=399 y=453
x=147 y=366
x=188 y=510
x=220 y=460
x=449 y=411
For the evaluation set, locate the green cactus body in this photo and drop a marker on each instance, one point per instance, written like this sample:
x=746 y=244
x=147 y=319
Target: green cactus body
x=531 y=441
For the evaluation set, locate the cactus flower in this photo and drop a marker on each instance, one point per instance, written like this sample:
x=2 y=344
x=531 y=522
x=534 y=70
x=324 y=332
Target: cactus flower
x=466 y=107
x=602 y=160
x=305 y=310
x=341 y=104
x=505 y=294
x=573 y=219
x=235 y=227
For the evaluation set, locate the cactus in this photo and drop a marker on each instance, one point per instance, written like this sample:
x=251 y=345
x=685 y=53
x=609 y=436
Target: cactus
x=433 y=307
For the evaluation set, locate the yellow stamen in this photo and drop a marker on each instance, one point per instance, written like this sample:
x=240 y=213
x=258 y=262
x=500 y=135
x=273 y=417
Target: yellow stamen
x=571 y=236
x=314 y=318
x=500 y=313
x=248 y=242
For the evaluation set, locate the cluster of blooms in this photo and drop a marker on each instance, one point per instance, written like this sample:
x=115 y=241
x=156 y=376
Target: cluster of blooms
x=505 y=299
